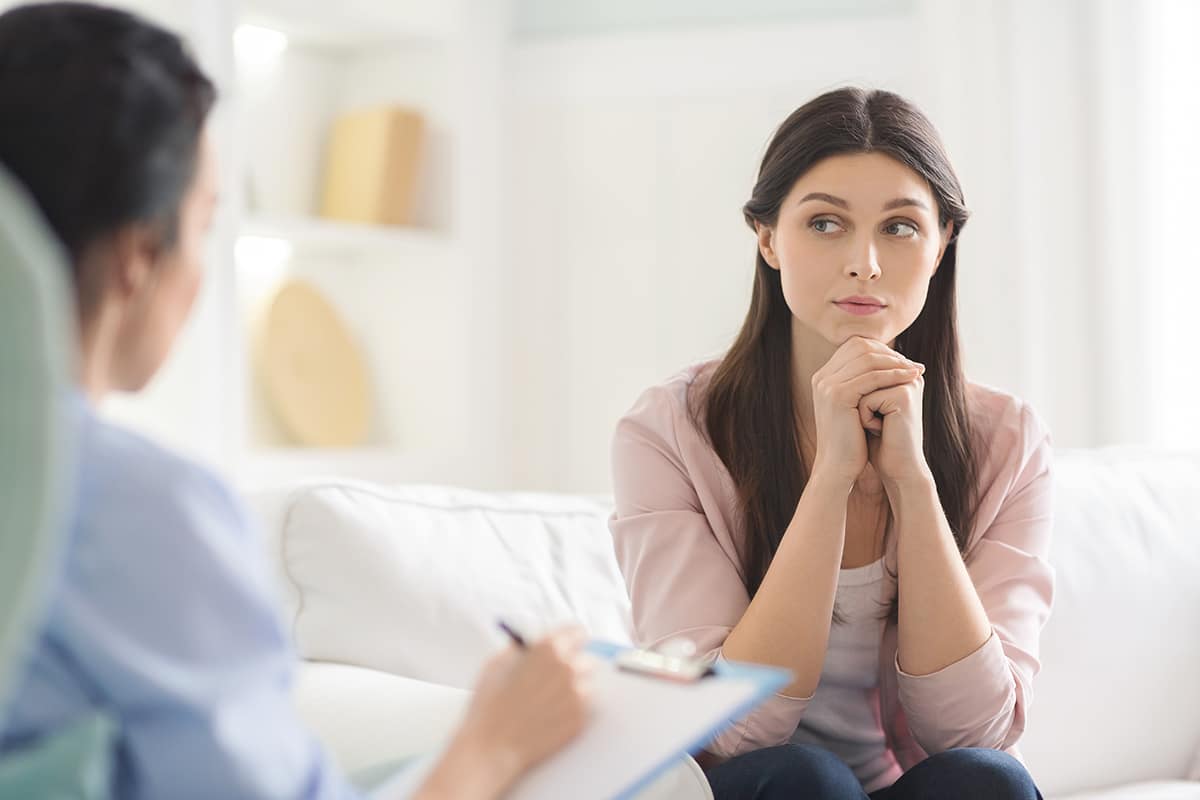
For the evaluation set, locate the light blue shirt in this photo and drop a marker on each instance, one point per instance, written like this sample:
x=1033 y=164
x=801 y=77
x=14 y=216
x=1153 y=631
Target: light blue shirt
x=164 y=616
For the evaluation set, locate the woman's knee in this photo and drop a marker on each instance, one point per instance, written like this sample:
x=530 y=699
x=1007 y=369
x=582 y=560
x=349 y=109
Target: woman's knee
x=784 y=771
x=979 y=773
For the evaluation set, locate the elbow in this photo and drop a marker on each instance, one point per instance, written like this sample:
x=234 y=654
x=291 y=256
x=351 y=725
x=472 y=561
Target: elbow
x=743 y=737
x=729 y=742
x=998 y=732
x=770 y=725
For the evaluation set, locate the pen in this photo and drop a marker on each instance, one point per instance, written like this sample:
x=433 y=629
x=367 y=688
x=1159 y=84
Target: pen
x=517 y=638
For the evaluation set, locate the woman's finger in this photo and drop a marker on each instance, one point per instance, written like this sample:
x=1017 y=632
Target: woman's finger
x=871 y=362
x=870 y=422
x=849 y=350
x=878 y=404
x=853 y=391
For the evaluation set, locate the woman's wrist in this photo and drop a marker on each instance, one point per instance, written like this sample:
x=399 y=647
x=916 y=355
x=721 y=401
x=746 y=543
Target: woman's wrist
x=911 y=495
x=473 y=767
x=828 y=483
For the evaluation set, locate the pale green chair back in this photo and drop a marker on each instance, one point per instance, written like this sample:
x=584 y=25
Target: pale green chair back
x=34 y=472
x=36 y=487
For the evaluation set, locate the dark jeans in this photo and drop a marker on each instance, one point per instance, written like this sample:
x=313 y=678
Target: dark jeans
x=804 y=772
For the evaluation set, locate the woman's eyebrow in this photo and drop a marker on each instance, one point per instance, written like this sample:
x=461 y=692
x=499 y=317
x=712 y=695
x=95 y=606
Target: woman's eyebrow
x=900 y=202
x=828 y=198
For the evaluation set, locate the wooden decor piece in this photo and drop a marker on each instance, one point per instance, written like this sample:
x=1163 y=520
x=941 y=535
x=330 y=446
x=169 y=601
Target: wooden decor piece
x=371 y=169
x=315 y=375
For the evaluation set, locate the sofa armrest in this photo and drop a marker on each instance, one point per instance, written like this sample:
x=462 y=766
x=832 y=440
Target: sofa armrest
x=365 y=717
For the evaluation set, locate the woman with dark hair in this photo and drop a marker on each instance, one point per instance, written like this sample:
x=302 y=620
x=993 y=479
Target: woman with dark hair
x=832 y=496
x=162 y=615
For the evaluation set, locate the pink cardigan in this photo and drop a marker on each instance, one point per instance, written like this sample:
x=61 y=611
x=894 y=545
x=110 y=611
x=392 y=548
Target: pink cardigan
x=675 y=527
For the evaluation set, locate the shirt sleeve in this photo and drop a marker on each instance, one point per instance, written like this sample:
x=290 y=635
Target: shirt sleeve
x=681 y=581
x=982 y=700
x=167 y=612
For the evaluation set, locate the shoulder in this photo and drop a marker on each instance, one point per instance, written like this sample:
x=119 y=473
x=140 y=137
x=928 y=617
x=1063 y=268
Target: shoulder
x=165 y=596
x=153 y=527
x=137 y=491
x=1015 y=463
x=659 y=452
x=667 y=407
x=1006 y=427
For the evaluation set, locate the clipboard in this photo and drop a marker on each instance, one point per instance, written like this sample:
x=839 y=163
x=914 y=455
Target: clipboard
x=647 y=714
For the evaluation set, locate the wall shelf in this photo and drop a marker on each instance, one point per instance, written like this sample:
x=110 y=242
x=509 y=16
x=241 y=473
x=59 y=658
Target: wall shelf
x=322 y=235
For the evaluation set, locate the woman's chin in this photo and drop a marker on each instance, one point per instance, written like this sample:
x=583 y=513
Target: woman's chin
x=844 y=333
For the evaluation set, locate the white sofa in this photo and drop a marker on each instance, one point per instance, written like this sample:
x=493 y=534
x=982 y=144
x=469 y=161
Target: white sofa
x=393 y=593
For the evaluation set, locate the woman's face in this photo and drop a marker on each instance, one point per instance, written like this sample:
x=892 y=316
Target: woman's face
x=162 y=301
x=857 y=242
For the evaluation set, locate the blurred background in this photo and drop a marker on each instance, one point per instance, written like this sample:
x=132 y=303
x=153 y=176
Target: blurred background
x=573 y=234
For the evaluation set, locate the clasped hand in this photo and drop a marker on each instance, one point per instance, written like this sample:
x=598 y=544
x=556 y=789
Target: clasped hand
x=867 y=407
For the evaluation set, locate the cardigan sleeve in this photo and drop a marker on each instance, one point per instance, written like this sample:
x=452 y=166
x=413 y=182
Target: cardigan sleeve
x=983 y=699
x=681 y=581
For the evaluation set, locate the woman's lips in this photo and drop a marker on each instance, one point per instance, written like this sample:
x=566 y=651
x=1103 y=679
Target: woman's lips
x=860 y=309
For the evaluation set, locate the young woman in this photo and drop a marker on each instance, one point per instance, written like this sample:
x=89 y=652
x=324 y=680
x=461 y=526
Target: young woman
x=832 y=496
x=162 y=615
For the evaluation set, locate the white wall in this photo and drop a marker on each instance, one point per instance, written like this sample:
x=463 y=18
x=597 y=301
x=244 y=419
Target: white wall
x=634 y=152
x=1164 y=225
x=629 y=255
x=626 y=141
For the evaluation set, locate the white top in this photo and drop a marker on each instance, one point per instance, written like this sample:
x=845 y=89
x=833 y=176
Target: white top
x=843 y=716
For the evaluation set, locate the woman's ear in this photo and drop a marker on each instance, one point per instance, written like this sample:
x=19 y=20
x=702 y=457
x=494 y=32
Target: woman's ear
x=766 y=244
x=947 y=232
x=135 y=251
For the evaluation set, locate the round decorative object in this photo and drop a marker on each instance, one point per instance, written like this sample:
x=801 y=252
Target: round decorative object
x=315 y=376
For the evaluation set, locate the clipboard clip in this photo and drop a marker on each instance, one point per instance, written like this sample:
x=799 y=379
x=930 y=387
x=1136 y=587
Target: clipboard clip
x=680 y=669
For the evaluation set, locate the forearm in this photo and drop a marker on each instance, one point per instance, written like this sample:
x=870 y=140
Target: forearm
x=941 y=619
x=469 y=770
x=787 y=622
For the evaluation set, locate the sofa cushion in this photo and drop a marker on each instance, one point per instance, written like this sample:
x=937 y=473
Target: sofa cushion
x=1154 y=790
x=412 y=580
x=1114 y=704
x=1117 y=698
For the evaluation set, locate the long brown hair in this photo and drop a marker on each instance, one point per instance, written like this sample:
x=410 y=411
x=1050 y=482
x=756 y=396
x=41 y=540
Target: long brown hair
x=748 y=405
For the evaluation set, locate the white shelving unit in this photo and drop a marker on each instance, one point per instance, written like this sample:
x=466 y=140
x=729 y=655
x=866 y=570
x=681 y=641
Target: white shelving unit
x=411 y=296
x=422 y=302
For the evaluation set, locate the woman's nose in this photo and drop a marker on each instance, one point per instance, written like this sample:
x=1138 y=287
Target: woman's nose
x=864 y=265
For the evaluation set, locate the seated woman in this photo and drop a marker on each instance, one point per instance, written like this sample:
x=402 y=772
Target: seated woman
x=163 y=613
x=832 y=495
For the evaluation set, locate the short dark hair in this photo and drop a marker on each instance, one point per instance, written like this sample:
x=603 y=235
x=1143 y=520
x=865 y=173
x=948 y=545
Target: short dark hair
x=101 y=114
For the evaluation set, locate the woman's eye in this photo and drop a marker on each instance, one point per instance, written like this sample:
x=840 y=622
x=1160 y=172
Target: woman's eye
x=825 y=226
x=904 y=230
